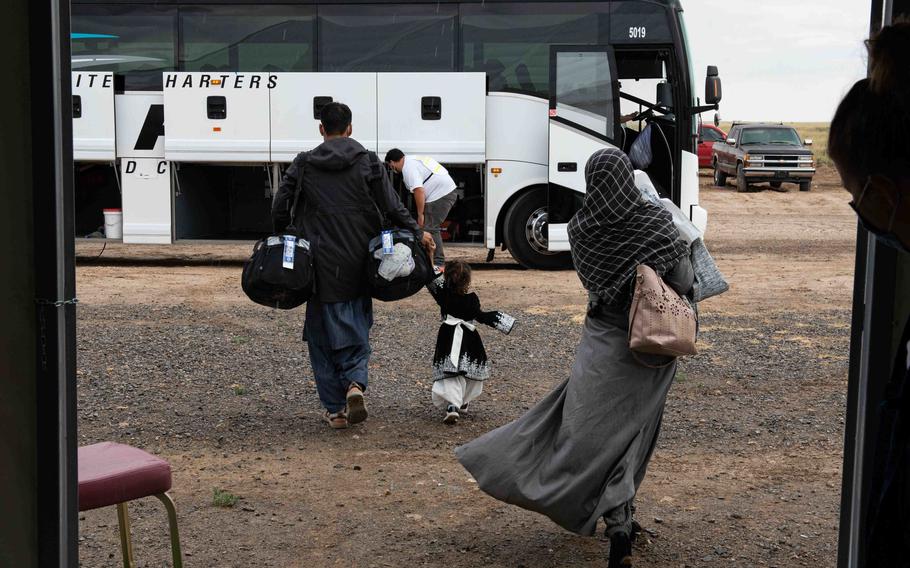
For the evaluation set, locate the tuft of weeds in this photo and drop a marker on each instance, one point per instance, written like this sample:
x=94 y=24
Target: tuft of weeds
x=222 y=498
x=240 y=339
x=239 y=390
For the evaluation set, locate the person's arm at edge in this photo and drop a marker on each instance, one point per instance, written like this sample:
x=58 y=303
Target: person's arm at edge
x=420 y=201
x=388 y=200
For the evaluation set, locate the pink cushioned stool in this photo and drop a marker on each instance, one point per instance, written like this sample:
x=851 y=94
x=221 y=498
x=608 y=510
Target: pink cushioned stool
x=113 y=474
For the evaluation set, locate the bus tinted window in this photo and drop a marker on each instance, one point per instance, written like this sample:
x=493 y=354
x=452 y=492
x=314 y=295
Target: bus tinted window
x=137 y=42
x=387 y=37
x=584 y=90
x=241 y=38
x=511 y=42
x=638 y=22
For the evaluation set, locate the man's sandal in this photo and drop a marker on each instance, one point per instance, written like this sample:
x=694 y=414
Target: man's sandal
x=357 y=410
x=337 y=420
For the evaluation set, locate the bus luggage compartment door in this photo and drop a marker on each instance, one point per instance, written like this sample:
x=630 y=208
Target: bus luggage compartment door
x=146 y=200
x=145 y=175
x=442 y=115
x=584 y=106
x=297 y=99
x=93 y=117
x=217 y=117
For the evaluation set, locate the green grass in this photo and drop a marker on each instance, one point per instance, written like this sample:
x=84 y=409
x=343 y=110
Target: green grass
x=816 y=131
x=221 y=498
x=239 y=390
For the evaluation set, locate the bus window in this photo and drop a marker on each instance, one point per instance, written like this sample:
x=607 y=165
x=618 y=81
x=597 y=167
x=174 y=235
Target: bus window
x=584 y=90
x=247 y=38
x=640 y=73
x=639 y=22
x=387 y=37
x=136 y=42
x=511 y=42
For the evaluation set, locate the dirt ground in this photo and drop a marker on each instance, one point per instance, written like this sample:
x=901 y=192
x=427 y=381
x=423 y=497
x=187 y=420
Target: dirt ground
x=176 y=360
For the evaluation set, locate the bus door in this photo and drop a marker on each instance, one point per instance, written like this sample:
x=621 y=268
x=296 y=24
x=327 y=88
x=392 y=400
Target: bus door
x=584 y=106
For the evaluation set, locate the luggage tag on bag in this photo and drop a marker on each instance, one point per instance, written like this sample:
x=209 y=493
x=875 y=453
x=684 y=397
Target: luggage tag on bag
x=287 y=260
x=388 y=246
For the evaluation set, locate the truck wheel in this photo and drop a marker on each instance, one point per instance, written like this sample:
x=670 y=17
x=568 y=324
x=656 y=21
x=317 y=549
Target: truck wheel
x=805 y=185
x=742 y=185
x=525 y=232
x=720 y=178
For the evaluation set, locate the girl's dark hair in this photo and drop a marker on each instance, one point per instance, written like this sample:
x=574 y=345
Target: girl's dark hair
x=869 y=129
x=458 y=276
x=888 y=49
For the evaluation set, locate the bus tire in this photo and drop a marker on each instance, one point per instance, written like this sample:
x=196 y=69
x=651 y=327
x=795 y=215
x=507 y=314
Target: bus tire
x=524 y=230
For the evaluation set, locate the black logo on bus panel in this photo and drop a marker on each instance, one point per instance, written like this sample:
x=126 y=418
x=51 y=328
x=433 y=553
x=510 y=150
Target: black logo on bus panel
x=222 y=81
x=152 y=128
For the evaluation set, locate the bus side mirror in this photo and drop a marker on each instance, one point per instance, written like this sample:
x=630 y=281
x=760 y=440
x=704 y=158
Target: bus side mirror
x=713 y=91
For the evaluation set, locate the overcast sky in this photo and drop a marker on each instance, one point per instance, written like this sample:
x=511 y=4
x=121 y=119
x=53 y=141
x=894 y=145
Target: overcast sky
x=789 y=60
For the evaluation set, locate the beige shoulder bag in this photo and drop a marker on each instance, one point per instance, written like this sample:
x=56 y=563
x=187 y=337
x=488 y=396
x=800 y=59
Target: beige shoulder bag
x=660 y=322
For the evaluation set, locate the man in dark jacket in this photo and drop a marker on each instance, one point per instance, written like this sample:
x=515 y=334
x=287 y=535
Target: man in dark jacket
x=336 y=214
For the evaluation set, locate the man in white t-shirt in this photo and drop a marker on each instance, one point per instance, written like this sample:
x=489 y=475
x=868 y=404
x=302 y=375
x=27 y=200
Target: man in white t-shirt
x=433 y=189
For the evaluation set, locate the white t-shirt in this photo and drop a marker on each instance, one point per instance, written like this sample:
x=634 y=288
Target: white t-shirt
x=417 y=169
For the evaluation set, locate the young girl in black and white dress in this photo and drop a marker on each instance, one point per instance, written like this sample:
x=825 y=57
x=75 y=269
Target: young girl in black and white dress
x=460 y=362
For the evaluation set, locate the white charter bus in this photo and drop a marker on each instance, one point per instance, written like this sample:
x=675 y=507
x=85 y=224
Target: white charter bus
x=185 y=114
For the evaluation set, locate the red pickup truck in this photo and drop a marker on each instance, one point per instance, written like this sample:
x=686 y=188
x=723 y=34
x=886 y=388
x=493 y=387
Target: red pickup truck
x=707 y=136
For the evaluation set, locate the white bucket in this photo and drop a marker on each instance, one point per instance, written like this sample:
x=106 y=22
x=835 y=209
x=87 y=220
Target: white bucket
x=113 y=223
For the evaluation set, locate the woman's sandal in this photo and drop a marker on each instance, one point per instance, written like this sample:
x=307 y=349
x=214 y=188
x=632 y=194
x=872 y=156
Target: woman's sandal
x=337 y=420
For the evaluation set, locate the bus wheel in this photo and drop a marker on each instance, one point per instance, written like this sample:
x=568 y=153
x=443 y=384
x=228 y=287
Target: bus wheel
x=526 y=236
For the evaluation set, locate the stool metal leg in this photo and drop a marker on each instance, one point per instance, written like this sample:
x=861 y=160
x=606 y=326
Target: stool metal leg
x=126 y=544
x=175 y=534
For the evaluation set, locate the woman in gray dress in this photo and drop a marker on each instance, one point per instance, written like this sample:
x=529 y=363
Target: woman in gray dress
x=581 y=453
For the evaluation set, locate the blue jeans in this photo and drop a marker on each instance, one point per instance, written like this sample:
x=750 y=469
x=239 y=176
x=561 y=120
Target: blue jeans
x=336 y=369
x=338 y=335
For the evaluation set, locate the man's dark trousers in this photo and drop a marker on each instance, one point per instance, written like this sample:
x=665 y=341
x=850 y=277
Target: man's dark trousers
x=338 y=337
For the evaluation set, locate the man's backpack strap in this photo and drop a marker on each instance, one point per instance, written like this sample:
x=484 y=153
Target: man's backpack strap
x=301 y=161
x=377 y=168
x=374 y=186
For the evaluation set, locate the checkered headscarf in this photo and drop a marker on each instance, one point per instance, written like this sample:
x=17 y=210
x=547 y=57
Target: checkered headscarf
x=617 y=229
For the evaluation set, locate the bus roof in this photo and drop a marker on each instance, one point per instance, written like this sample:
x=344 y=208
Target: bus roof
x=675 y=4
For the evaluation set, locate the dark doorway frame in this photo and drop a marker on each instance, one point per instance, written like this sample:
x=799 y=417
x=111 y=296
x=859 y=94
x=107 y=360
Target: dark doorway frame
x=879 y=313
x=39 y=492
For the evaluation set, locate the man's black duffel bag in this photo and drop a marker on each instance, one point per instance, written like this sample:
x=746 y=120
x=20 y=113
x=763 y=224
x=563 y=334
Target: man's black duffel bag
x=275 y=280
x=403 y=286
x=279 y=273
